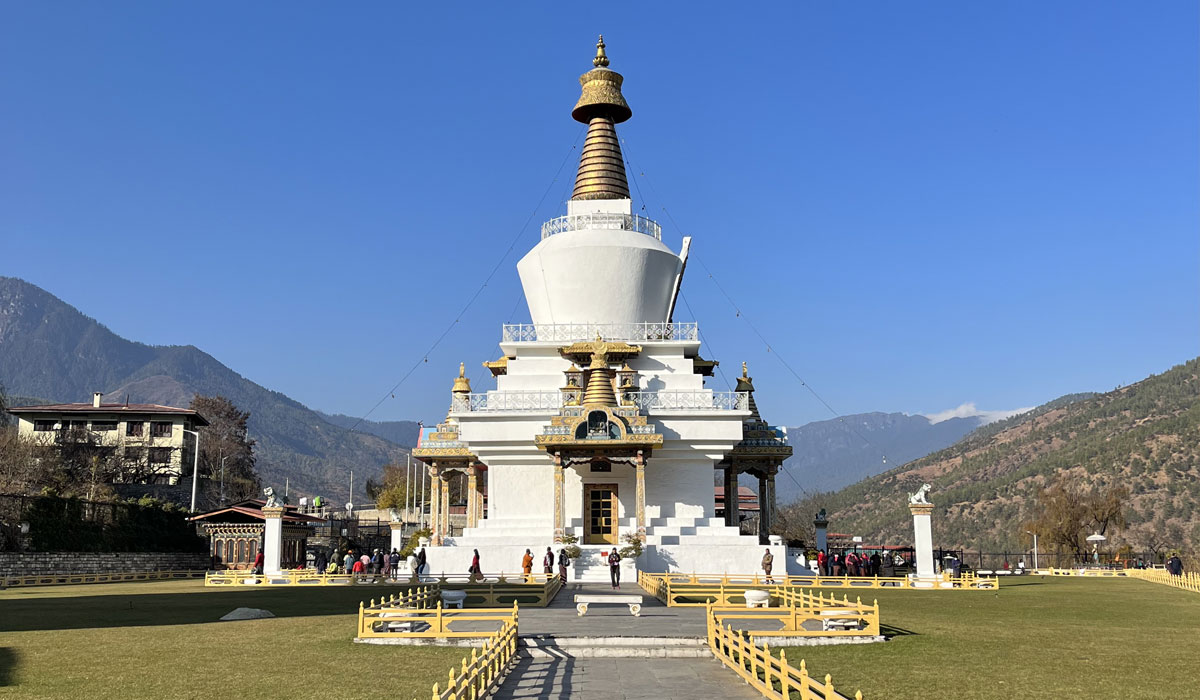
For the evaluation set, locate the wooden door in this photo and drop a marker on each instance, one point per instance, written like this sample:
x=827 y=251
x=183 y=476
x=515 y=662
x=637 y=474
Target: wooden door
x=600 y=503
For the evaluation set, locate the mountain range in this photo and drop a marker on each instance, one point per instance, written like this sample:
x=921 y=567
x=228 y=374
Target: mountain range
x=51 y=352
x=1145 y=437
x=833 y=454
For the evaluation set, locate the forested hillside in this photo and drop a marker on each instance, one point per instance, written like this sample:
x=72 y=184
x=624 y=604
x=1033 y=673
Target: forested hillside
x=1145 y=437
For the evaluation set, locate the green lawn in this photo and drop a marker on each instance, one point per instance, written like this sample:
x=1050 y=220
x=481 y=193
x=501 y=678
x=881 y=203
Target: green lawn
x=1035 y=638
x=162 y=640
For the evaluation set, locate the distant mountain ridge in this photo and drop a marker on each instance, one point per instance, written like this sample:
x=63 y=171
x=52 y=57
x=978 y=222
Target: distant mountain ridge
x=1145 y=437
x=833 y=454
x=49 y=350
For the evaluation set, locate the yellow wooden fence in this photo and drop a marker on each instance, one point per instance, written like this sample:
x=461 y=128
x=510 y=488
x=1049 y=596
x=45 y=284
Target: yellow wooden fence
x=71 y=579
x=694 y=590
x=404 y=620
x=483 y=668
x=1188 y=581
x=774 y=677
x=498 y=589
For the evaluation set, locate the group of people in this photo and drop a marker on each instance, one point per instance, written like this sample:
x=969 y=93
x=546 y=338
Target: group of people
x=379 y=563
x=548 y=561
x=849 y=563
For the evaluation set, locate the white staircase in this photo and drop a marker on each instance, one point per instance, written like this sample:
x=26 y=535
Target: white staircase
x=695 y=531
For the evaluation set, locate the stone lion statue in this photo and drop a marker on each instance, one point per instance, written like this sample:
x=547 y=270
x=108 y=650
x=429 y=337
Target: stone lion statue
x=273 y=500
x=919 y=496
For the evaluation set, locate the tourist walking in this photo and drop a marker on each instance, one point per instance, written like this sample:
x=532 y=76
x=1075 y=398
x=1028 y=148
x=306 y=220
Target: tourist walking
x=768 y=561
x=359 y=567
x=413 y=573
x=394 y=561
x=614 y=568
x=258 y=563
x=548 y=562
x=835 y=565
x=422 y=563
x=365 y=559
x=319 y=561
x=527 y=565
x=822 y=564
x=348 y=561
x=563 y=561
x=1174 y=565
x=377 y=562
x=475 y=570
x=875 y=562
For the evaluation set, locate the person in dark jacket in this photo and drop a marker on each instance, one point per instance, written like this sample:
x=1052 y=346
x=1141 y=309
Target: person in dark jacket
x=614 y=568
x=548 y=562
x=320 y=562
x=1175 y=566
x=422 y=563
x=563 y=562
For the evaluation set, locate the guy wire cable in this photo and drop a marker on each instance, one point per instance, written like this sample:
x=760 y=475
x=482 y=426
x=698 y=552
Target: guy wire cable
x=471 y=301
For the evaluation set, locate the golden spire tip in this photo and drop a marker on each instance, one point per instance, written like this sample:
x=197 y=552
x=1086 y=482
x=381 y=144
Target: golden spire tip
x=601 y=59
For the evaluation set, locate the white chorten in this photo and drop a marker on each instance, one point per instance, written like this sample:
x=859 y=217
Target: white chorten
x=600 y=424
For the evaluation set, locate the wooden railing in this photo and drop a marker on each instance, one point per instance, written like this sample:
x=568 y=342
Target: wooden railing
x=694 y=590
x=72 y=579
x=483 y=669
x=774 y=677
x=420 y=615
x=535 y=590
x=1090 y=573
x=1188 y=580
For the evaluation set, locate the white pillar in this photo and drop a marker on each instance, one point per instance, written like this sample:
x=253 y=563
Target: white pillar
x=272 y=540
x=821 y=526
x=397 y=536
x=923 y=537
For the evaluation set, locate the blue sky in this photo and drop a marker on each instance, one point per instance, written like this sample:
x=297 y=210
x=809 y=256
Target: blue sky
x=918 y=204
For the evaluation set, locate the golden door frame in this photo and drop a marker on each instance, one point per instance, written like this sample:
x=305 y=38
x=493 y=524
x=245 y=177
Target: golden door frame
x=611 y=522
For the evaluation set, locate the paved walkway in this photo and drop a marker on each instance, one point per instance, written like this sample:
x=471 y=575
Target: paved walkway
x=623 y=679
x=557 y=677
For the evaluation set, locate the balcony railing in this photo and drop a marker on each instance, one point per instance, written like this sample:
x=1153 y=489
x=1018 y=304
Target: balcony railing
x=572 y=332
x=600 y=220
x=509 y=401
x=551 y=401
x=691 y=400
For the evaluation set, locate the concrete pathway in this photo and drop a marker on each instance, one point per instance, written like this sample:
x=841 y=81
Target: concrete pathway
x=622 y=679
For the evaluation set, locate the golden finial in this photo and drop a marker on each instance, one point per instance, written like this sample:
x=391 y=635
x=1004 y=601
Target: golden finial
x=462 y=385
x=601 y=59
x=745 y=371
x=744 y=382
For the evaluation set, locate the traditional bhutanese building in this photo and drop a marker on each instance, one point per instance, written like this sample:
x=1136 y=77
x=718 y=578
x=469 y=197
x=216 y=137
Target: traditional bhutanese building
x=600 y=424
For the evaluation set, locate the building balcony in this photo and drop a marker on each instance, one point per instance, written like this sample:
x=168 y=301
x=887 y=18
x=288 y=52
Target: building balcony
x=649 y=401
x=602 y=220
x=576 y=332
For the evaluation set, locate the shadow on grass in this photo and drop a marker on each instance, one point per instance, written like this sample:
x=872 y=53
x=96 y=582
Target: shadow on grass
x=193 y=607
x=890 y=631
x=8 y=665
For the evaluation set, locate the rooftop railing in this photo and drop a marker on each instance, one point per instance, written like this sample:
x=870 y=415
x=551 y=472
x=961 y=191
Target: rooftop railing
x=691 y=400
x=572 y=332
x=551 y=401
x=601 y=220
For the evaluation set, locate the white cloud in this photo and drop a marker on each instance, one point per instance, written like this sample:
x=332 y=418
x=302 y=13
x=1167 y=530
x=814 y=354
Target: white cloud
x=968 y=410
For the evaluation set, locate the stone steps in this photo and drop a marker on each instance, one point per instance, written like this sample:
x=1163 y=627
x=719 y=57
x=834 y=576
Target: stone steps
x=555 y=646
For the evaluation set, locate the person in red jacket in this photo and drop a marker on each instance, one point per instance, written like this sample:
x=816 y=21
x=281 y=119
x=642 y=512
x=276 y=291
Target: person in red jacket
x=821 y=570
x=258 y=563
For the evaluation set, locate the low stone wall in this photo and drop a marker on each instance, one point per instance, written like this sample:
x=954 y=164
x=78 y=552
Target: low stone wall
x=47 y=563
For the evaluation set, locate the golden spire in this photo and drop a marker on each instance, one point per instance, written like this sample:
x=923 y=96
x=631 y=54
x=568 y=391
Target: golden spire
x=599 y=391
x=746 y=383
x=601 y=106
x=462 y=385
x=601 y=59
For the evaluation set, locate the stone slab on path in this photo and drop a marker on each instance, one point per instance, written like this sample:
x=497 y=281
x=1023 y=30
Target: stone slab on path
x=622 y=679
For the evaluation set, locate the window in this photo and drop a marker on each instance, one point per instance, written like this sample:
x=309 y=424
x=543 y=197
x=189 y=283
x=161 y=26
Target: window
x=104 y=426
x=160 y=455
x=74 y=425
x=160 y=429
x=134 y=428
x=135 y=454
x=601 y=466
x=43 y=425
x=241 y=551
